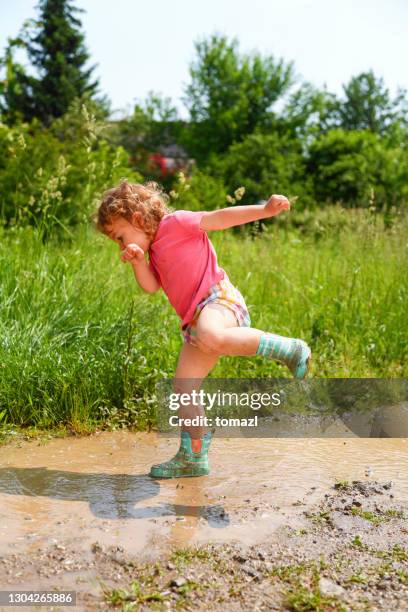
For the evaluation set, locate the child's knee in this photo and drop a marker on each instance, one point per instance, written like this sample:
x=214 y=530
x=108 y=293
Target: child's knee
x=211 y=340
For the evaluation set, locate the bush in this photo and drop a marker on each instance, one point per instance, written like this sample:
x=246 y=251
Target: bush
x=358 y=168
x=264 y=164
x=200 y=192
x=53 y=177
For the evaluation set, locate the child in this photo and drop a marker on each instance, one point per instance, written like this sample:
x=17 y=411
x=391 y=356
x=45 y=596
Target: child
x=214 y=317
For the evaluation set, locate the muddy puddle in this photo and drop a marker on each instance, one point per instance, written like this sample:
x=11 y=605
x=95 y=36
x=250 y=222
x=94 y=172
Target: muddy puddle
x=78 y=491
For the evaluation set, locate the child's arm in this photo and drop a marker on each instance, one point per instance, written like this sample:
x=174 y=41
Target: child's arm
x=143 y=275
x=238 y=215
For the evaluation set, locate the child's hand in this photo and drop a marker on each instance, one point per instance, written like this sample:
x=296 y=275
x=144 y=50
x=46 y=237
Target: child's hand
x=133 y=252
x=276 y=204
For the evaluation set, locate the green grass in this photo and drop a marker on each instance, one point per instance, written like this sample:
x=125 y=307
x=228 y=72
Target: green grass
x=372 y=517
x=137 y=596
x=301 y=587
x=183 y=556
x=376 y=518
x=82 y=345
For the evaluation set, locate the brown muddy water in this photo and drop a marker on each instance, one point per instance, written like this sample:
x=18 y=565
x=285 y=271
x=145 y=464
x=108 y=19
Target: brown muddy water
x=77 y=491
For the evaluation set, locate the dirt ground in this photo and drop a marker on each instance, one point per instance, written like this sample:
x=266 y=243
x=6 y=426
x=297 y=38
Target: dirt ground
x=350 y=555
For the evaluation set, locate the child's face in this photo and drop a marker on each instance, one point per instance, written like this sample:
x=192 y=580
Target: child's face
x=124 y=232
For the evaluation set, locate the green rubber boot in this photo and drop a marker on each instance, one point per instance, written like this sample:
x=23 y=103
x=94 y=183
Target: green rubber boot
x=301 y=359
x=185 y=463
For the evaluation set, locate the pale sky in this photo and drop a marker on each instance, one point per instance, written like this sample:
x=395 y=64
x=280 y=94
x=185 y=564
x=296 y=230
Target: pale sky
x=143 y=46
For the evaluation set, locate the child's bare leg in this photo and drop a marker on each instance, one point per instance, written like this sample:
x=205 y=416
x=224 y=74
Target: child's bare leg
x=193 y=366
x=246 y=341
x=192 y=457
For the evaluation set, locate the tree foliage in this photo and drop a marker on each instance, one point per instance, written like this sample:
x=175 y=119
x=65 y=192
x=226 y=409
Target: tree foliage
x=358 y=168
x=53 y=177
x=231 y=94
x=57 y=72
x=323 y=148
x=154 y=123
x=263 y=164
x=367 y=104
x=307 y=113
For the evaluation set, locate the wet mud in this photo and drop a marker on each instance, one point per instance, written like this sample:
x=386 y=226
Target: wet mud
x=82 y=514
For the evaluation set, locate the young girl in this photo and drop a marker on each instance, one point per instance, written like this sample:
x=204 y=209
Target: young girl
x=214 y=317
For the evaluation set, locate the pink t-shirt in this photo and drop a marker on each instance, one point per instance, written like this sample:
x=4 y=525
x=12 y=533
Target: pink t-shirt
x=184 y=261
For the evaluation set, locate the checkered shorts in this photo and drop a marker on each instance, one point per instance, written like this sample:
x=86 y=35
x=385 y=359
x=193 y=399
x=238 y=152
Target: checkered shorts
x=223 y=293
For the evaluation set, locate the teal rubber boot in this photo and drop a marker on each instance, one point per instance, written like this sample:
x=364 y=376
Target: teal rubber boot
x=185 y=463
x=300 y=362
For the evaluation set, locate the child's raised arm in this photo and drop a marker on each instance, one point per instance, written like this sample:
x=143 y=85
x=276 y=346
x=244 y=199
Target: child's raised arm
x=238 y=215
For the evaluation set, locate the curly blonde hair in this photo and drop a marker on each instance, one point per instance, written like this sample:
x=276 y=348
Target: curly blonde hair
x=125 y=199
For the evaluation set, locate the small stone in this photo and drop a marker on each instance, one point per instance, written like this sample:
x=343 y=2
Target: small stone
x=60 y=547
x=328 y=587
x=96 y=547
x=178 y=582
x=251 y=571
x=240 y=558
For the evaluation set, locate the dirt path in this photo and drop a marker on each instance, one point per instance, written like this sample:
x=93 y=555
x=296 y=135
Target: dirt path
x=266 y=530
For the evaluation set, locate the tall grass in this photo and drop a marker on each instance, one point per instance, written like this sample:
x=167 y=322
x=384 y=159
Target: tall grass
x=81 y=344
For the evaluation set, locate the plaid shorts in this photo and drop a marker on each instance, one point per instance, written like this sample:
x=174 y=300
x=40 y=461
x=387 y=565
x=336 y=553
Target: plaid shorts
x=223 y=293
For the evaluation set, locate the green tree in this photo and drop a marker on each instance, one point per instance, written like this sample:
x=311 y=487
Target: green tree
x=307 y=113
x=367 y=104
x=153 y=123
x=230 y=95
x=57 y=55
x=15 y=104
